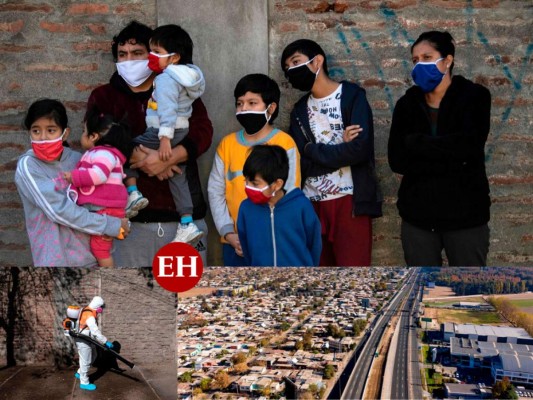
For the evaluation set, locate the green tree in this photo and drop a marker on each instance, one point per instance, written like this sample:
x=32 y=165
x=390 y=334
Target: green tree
x=313 y=388
x=221 y=380
x=285 y=326
x=205 y=384
x=358 y=326
x=240 y=368
x=238 y=358
x=308 y=339
x=504 y=390
x=185 y=377
x=329 y=371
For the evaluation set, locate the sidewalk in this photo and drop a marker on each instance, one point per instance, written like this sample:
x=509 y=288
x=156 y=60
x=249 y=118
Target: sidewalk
x=149 y=382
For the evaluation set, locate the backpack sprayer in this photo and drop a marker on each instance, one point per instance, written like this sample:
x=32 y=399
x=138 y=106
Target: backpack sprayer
x=71 y=325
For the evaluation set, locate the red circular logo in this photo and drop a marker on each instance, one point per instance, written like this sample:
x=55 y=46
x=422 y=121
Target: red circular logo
x=177 y=267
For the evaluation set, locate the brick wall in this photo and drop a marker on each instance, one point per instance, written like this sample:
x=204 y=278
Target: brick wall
x=61 y=50
x=58 y=49
x=139 y=314
x=368 y=42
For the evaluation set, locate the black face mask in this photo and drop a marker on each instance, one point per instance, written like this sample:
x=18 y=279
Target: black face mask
x=252 y=121
x=301 y=77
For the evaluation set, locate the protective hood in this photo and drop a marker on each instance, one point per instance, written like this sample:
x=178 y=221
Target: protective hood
x=190 y=77
x=96 y=302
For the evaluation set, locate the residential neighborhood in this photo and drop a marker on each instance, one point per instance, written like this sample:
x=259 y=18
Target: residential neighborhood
x=380 y=332
x=255 y=332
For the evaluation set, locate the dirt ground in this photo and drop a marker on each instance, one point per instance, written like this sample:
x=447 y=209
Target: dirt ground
x=375 y=379
x=196 y=292
x=439 y=291
x=442 y=292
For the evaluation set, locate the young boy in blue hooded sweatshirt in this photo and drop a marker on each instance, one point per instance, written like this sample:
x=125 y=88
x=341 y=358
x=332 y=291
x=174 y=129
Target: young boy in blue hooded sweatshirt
x=276 y=228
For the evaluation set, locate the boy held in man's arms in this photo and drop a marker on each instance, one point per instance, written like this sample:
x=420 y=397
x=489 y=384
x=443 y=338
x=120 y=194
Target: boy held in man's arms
x=276 y=228
x=178 y=84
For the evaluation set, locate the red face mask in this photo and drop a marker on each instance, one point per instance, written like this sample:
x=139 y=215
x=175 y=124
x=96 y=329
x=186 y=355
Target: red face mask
x=153 y=61
x=256 y=195
x=48 y=150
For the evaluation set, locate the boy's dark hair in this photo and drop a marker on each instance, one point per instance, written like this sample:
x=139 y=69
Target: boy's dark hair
x=112 y=133
x=134 y=31
x=174 y=39
x=440 y=41
x=307 y=47
x=262 y=85
x=46 y=108
x=269 y=162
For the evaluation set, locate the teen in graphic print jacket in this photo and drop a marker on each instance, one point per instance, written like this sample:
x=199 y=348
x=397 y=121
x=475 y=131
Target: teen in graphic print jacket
x=319 y=159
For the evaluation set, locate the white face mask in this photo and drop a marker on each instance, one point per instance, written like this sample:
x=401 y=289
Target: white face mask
x=134 y=72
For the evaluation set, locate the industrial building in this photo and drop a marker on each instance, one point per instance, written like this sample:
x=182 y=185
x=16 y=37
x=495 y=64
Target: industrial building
x=486 y=333
x=511 y=360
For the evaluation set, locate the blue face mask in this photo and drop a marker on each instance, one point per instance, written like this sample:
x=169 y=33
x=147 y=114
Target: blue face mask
x=427 y=75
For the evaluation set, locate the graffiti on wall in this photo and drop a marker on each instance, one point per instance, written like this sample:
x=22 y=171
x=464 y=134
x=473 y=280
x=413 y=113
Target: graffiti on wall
x=400 y=35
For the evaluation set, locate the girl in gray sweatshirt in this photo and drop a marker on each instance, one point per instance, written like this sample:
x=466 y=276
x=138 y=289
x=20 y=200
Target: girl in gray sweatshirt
x=58 y=229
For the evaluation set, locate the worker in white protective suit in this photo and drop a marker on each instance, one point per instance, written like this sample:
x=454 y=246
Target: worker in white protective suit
x=87 y=352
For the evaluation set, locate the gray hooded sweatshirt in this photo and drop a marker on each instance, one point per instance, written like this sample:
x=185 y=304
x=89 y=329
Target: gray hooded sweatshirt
x=58 y=229
x=174 y=91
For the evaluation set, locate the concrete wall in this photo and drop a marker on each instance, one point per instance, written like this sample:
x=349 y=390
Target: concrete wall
x=61 y=50
x=139 y=314
x=230 y=41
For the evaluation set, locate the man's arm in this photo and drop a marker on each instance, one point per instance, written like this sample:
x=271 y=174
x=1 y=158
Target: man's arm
x=191 y=147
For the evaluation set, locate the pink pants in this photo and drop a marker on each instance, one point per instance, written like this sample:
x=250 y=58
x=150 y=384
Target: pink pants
x=101 y=244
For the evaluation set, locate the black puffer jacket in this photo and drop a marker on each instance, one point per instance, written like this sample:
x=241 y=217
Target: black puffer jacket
x=444 y=184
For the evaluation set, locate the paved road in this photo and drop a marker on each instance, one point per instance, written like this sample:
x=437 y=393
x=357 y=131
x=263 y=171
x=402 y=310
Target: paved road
x=401 y=373
x=355 y=385
x=415 y=380
x=400 y=378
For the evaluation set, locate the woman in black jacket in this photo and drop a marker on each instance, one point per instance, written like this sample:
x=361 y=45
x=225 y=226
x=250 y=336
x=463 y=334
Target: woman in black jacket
x=437 y=139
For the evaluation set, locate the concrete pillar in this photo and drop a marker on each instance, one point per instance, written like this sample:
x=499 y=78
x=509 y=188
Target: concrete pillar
x=230 y=40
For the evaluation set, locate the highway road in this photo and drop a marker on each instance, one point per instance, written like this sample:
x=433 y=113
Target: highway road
x=415 y=380
x=353 y=380
x=401 y=377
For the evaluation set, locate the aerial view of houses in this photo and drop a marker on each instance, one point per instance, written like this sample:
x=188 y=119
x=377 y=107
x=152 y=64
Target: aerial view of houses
x=302 y=333
x=256 y=331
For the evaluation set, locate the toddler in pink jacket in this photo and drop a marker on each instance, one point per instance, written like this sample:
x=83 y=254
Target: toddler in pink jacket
x=96 y=183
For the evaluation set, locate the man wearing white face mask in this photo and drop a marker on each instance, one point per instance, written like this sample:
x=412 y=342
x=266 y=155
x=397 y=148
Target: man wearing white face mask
x=333 y=128
x=126 y=96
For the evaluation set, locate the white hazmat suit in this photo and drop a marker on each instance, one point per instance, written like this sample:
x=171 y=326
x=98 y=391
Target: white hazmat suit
x=86 y=351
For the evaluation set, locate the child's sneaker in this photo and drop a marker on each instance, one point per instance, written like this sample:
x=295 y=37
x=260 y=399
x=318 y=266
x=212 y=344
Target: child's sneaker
x=188 y=233
x=136 y=202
